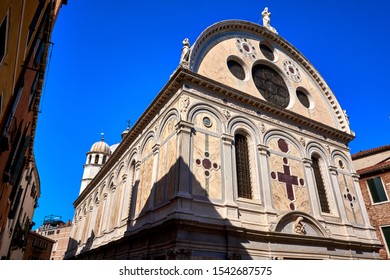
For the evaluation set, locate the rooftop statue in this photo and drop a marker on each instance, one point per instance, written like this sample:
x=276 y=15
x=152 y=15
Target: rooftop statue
x=185 y=53
x=267 y=19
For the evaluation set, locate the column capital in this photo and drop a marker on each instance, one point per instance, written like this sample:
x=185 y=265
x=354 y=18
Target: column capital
x=227 y=138
x=307 y=162
x=138 y=164
x=333 y=169
x=184 y=126
x=355 y=176
x=263 y=149
x=156 y=148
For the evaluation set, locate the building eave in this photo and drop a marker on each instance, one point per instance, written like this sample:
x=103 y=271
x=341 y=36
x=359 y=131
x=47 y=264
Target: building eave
x=370 y=152
x=375 y=169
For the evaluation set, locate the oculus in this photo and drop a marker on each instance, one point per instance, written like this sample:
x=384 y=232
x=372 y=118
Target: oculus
x=303 y=98
x=236 y=69
x=271 y=85
x=267 y=52
x=207 y=122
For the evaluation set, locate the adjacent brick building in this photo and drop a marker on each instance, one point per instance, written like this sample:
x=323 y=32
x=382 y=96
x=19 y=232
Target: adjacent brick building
x=38 y=247
x=373 y=166
x=54 y=228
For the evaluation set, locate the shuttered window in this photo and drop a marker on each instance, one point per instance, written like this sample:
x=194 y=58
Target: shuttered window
x=386 y=237
x=377 y=190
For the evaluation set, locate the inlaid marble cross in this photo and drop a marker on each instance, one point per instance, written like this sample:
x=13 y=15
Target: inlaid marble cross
x=286 y=176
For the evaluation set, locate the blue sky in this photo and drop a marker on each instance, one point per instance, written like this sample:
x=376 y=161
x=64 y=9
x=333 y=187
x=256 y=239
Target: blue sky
x=111 y=58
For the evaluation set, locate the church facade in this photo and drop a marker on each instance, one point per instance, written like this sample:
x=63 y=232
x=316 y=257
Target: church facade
x=242 y=155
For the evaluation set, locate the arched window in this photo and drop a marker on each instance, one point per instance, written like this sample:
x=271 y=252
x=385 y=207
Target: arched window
x=244 y=185
x=319 y=178
x=90 y=159
x=104 y=159
x=96 y=159
x=132 y=172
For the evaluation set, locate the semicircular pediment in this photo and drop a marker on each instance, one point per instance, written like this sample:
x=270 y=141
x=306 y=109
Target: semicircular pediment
x=299 y=223
x=250 y=58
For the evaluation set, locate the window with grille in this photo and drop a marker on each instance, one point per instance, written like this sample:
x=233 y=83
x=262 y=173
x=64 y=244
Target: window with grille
x=132 y=172
x=271 y=85
x=243 y=167
x=377 y=190
x=320 y=185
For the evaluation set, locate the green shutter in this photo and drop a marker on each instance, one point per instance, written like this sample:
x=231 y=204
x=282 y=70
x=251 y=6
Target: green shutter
x=386 y=236
x=376 y=189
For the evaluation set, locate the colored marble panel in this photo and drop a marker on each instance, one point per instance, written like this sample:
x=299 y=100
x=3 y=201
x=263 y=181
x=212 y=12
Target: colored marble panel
x=169 y=127
x=206 y=166
x=161 y=172
x=171 y=167
x=211 y=124
x=288 y=193
x=98 y=221
x=352 y=207
x=148 y=147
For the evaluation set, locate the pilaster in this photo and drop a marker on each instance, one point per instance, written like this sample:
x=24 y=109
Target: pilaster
x=232 y=207
x=184 y=131
x=265 y=181
x=156 y=151
x=356 y=185
x=311 y=186
x=339 y=197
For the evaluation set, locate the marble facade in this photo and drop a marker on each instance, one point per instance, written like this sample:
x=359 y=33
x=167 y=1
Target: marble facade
x=169 y=190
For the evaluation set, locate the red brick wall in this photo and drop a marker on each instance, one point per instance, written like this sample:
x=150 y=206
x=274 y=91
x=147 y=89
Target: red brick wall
x=379 y=213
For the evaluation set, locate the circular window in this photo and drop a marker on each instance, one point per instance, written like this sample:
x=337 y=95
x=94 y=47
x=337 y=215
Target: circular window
x=341 y=164
x=271 y=85
x=236 y=69
x=207 y=122
x=303 y=98
x=267 y=52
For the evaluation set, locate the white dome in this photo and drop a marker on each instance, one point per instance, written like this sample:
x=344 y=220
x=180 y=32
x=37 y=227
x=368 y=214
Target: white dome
x=101 y=147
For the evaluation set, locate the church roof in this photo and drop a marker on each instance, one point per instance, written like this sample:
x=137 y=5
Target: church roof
x=113 y=147
x=100 y=147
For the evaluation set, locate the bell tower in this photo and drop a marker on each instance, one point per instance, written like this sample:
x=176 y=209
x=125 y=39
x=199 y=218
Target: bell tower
x=96 y=158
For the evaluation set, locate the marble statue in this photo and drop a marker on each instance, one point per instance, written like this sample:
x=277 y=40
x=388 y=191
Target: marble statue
x=266 y=15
